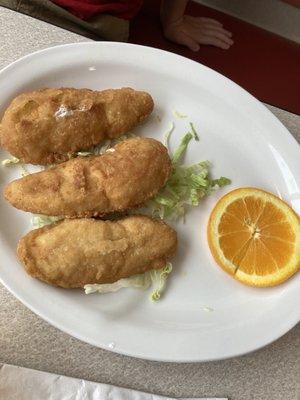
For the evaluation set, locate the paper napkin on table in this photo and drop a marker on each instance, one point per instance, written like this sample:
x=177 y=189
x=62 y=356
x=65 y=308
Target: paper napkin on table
x=17 y=383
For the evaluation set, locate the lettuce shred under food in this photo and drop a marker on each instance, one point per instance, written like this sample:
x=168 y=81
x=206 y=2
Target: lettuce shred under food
x=155 y=277
x=39 y=220
x=186 y=186
x=10 y=161
x=105 y=146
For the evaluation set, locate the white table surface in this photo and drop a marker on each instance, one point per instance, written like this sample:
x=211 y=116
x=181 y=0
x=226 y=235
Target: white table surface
x=28 y=341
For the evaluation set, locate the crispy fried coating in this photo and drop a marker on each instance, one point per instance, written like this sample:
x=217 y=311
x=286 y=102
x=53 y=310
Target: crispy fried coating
x=73 y=253
x=121 y=179
x=46 y=126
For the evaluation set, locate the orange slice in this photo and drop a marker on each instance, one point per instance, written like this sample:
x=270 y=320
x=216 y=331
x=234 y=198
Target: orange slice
x=255 y=237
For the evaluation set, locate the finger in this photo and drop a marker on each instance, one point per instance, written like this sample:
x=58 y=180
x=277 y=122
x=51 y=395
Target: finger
x=211 y=21
x=218 y=35
x=200 y=22
x=221 y=30
x=207 y=25
x=198 y=34
x=187 y=41
x=212 y=40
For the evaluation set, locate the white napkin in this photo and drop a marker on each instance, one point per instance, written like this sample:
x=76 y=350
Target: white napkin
x=17 y=383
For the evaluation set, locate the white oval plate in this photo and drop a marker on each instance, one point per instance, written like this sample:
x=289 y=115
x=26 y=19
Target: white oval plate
x=241 y=138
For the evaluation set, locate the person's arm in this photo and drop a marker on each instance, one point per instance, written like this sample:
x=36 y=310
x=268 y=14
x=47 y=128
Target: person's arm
x=191 y=31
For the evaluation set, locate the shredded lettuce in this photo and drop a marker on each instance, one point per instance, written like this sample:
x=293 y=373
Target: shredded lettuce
x=179 y=115
x=207 y=309
x=10 y=161
x=194 y=132
x=168 y=133
x=39 y=220
x=84 y=153
x=141 y=281
x=186 y=186
x=105 y=146
x=24 y=170
x=159 y=278
x=155 y=278
x=181 y=149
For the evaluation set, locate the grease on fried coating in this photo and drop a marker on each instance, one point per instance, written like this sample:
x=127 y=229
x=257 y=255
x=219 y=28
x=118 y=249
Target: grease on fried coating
x=124 y=178
x=48 y=125
x=76 y=252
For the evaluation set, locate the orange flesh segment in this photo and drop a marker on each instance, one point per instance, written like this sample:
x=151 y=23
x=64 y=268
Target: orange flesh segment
x=255 y=235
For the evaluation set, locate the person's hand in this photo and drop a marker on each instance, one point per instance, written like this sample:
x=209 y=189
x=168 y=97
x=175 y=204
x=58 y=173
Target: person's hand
x=192 y=32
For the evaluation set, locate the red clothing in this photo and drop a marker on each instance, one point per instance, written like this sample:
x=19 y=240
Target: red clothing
x=85 y=9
